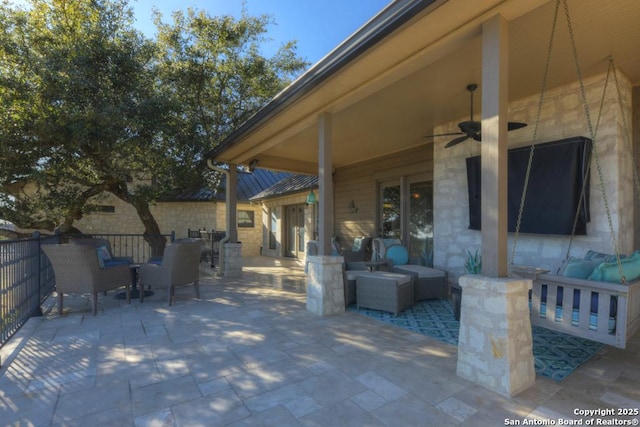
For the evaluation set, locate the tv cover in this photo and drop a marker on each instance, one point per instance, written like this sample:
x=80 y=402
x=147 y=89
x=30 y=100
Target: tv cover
x=555 y=185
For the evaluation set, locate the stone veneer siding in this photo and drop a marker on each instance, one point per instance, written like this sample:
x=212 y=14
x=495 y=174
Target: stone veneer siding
x=562 y=116
x=174 y=216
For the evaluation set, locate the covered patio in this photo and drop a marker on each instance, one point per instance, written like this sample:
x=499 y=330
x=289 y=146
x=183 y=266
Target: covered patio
x=249 y=353
x=385 y=122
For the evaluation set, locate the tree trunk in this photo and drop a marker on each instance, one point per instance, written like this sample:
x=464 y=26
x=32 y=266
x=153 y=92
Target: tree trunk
x=151 y=227
x=152 y=233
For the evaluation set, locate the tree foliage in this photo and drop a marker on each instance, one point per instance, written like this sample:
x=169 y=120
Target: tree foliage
x=92 y=106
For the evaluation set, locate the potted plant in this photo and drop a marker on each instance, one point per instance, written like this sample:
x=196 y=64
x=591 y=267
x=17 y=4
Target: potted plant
x=473 y=263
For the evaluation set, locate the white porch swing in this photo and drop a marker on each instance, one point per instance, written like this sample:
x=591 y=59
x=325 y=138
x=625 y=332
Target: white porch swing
x=607 y=309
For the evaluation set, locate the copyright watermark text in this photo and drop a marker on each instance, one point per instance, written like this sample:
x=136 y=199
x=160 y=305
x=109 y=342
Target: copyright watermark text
x=584 y=417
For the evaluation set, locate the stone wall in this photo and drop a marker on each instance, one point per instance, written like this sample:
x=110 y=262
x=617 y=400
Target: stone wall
x=562 y=116
x=174 y=216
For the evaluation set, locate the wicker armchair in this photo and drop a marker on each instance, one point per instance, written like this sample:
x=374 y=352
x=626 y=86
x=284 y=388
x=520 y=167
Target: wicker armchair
x=96 y=243
x=180 y=266
x=359 y=250
x=77 y=271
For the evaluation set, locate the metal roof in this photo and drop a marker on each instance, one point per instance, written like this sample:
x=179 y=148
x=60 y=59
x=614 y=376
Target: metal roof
x=249 y=184
x=291 y=184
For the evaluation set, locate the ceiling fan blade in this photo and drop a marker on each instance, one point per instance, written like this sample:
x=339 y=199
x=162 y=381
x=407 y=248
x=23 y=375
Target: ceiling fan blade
x=470 y=129
x=456 y=141
x=443 y=134
x=515 y=125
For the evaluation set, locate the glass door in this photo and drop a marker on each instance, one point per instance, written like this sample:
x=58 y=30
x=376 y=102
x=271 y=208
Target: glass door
x=406 y=213
x=294 y=218
x=419 y=241
x=391 y=210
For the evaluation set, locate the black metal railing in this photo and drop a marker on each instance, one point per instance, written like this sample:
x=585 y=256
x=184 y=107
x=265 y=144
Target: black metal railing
x=27 y=278
x=211 y=251
x=132 y=245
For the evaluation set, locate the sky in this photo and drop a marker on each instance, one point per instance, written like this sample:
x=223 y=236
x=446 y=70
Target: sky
x=317 y=25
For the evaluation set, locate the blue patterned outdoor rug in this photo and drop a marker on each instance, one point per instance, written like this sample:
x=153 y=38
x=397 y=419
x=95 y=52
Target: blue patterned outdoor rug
x=556 y=355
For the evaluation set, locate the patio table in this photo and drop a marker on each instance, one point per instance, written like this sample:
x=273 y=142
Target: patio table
x=135 y=293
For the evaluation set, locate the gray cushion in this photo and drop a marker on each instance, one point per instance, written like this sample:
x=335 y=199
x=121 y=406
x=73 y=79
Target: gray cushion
x=420 y=270
x=400 y=279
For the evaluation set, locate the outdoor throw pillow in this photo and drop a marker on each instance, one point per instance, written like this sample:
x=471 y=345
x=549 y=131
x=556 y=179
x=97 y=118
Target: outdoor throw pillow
x=578 y=268
x=609 y=271
x=398 y=254
x=103 y=255
x=594 y=255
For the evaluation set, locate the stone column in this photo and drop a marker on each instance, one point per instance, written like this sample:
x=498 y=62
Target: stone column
x=495 y=347
x=232 y=259
x=325 y=285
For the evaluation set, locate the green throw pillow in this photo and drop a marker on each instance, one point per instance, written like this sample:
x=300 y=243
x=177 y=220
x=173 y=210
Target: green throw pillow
x=609 y=271
x=578 y=268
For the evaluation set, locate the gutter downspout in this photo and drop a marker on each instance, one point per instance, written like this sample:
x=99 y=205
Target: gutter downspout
x=227 y=236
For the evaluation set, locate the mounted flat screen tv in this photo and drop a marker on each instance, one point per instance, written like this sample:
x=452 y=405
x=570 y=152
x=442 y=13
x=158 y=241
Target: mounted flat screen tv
x=555 y=185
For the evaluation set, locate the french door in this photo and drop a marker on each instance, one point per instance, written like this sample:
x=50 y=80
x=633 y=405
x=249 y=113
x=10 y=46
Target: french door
x=406 y=213
x=294 y=220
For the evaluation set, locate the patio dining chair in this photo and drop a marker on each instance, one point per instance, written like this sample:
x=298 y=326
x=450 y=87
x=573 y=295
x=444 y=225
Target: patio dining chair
x=180 y=265
x=77 y=270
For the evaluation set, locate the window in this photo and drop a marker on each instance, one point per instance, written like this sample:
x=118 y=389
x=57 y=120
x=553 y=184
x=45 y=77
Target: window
x=102 y=208
x=273 y=228
x=246 y=219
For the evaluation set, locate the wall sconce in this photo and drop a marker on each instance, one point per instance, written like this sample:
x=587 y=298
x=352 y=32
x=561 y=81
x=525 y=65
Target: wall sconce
x=352 y=207
x=311 y=198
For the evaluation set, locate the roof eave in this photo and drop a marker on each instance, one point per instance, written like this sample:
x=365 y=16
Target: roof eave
x=380 y=26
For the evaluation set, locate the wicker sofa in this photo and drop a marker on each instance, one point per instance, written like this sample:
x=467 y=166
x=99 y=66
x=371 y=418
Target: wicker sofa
x=428 y=282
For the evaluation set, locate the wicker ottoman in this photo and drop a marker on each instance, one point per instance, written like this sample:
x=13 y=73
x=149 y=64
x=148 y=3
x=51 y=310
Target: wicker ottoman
x=385 y=291
x=350 y=286
x=428 y=282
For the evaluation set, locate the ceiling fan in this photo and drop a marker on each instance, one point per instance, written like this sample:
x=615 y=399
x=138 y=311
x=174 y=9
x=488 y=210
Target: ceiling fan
x=471 y=129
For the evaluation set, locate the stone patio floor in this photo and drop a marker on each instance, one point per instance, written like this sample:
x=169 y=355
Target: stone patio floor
x=250 y=354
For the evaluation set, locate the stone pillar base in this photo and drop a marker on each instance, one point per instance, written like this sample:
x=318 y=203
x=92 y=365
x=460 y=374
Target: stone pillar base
x=232 y=263
x=325 y=285
x=495 y=347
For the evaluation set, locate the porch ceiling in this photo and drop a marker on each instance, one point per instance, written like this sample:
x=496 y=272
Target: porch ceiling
x=388 y=98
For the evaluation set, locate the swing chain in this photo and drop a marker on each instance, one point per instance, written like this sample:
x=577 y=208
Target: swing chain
x=545 y=76
x=636 y=176
x=592 y=132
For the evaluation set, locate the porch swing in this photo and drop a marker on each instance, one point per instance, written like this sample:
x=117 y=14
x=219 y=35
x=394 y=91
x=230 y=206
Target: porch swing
x=573 y=305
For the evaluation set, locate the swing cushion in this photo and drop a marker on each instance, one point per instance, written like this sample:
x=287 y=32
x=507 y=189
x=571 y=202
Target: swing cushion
x=609 y=272
x=578 y=268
